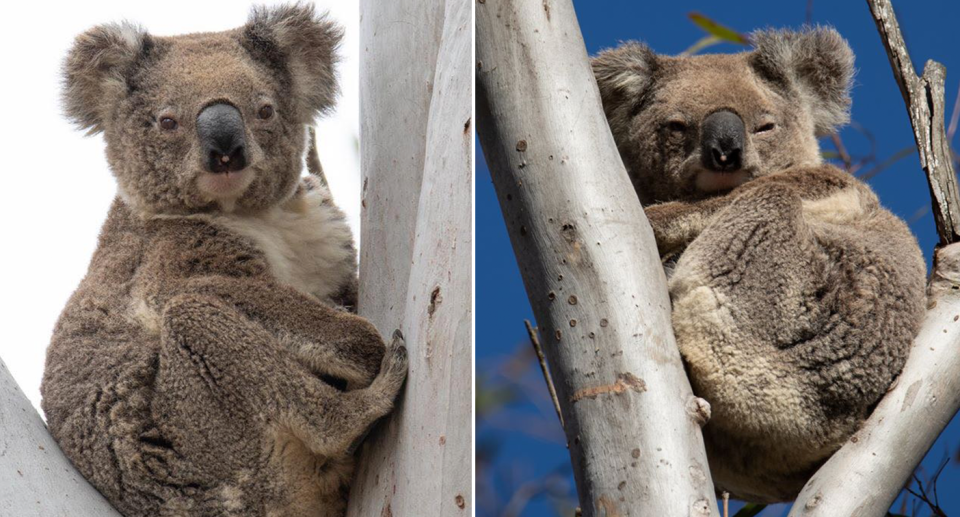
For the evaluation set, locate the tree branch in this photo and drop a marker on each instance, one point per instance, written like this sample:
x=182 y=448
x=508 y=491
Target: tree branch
x=538 y=350
x=865 y=476
x=925 y=105
x=36 y=479
x=590 y=266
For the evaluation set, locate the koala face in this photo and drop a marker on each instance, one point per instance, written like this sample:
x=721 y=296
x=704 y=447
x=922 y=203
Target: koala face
x=689 y=127
x=205 y=121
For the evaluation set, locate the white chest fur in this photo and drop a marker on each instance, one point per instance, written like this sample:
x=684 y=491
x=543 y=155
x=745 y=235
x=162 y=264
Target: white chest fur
x=307 y=242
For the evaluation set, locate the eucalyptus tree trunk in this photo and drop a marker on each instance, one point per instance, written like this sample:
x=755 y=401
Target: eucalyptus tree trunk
x=416 y=250
x=865 y=476
x=590 y=266
x=36 y=479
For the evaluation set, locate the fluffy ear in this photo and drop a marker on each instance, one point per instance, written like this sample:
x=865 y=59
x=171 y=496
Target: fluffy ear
x=623 y=74
x=817 y=62
x=297 y=42
x=94 y=73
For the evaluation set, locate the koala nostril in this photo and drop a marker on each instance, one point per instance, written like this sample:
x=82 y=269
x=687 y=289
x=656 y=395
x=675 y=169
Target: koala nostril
x=719 y=156
x=227 y=162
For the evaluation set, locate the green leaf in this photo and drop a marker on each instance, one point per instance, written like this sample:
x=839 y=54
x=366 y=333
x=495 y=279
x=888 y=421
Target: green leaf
x=702 y=43
x=750 y=510
x=722 y=32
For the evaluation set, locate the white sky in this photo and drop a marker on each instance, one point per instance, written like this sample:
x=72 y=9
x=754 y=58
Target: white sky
x=56 y=184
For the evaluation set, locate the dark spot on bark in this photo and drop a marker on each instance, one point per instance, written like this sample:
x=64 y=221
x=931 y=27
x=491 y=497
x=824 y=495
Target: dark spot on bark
x=573 y=323
x=435 y=300
x=461 y=503
x=551 y=296
x=466 y=126
x=604 y=322
x=572 y=300
x=522 y=145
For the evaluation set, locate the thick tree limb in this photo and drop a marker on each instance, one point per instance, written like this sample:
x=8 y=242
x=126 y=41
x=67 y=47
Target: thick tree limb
x=590 y=266
x=865 y=476
x=416 y=246
x=36 y=479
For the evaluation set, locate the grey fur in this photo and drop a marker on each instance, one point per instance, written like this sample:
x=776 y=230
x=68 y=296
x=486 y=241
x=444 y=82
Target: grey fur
x=202 y=368
x=796 y=296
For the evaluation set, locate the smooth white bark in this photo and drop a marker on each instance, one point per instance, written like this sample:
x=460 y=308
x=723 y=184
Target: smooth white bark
x=36 y=479
x=417 y=238
x=590 y=266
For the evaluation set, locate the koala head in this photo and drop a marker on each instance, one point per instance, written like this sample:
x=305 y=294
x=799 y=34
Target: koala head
x=205 y=121
x=690 y=127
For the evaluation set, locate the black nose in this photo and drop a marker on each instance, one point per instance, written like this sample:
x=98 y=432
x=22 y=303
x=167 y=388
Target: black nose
x=721 y=142
x=220 y=128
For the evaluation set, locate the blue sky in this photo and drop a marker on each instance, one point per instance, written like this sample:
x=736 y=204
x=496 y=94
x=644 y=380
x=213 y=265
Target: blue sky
x=526 y=435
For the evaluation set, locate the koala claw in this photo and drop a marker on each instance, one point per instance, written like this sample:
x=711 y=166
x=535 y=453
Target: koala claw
x=395 y=361
x=397 y=336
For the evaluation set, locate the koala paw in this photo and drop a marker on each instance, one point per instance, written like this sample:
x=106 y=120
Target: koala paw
x=311 y=184
x=393 y=368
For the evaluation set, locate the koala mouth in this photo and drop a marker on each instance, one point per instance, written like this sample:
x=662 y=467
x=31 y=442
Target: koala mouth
x=225 y=185
x=713 y=181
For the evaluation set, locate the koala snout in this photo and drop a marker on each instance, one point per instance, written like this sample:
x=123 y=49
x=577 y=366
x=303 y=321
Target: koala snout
x=221 y=131
x=721 y=141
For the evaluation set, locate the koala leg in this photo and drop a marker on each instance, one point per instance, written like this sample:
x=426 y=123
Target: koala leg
x=217 y=363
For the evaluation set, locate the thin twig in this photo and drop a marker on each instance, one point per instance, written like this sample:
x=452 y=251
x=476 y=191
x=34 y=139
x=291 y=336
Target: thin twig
x=535 y=341
x=897 y=156
x=726 y=503
x=842 y=151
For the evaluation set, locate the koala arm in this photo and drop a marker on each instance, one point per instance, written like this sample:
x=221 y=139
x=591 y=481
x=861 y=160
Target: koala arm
x=330 y=341
x=676 y=223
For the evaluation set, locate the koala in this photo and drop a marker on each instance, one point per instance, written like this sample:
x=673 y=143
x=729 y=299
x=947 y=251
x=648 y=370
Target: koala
x=203 y=367
x=795 y=294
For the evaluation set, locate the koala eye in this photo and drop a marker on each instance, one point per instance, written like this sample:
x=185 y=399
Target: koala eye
x=265 y=112
x=769 y=126
x=676 y=126
x=168 y=124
